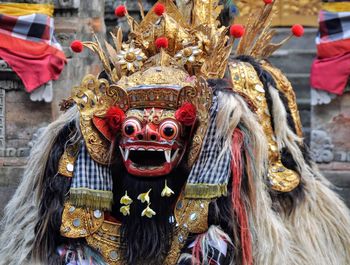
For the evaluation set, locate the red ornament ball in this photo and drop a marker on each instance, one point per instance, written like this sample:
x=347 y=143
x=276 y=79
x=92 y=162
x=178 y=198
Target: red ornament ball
x=159 y=9
x=298 y=30
x=237 y=30
x=120 y=11
x=267 y=2
x=162 y=42
x=77 y=46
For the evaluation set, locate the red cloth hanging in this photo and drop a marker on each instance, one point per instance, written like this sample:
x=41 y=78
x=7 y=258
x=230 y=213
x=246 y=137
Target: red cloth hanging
x=28 y=46
x=331 y=74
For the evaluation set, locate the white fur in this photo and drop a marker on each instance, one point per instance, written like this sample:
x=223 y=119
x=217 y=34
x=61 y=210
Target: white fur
x=270 y=238
x=320 y=224
x=21 y=213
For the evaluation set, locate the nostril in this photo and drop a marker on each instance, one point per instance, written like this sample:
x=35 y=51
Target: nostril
x=139 y=136
x=153 y=137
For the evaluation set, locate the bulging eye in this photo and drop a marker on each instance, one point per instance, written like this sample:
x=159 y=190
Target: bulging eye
x=131 y=126
x=168 y=130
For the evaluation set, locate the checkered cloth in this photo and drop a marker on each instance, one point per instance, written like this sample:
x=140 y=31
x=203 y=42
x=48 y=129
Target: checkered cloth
x=34 y=27
x=92 y=183
x=90 y=174
x=334 y=26
x=333 y=48
x=28 y=39
x=210 y=169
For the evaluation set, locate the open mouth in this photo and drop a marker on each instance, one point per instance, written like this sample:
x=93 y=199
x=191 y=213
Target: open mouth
x=148 y=156
x=140 y=159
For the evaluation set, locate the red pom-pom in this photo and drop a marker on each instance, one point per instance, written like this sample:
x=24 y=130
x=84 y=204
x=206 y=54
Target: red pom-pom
x=298 y=30
x=186 y=114
x=120 y=11
x=77 y=46
x=237 y=30
x=115 y=117
x=267 y=2
x=159 y=9
x=162 y=42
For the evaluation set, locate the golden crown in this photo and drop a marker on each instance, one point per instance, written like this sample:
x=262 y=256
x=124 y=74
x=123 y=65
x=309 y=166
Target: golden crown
x=166 y=61
x=187 y=36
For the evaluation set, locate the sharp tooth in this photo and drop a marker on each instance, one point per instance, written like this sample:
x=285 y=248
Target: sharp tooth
x=122 y=151
x=126 y=154
x=174 y=155
x=167 y=155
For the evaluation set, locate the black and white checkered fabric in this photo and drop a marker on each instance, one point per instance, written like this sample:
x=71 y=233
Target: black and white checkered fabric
x=334 y=26
x=91 y=175
x=209 y=167
x=34 y=27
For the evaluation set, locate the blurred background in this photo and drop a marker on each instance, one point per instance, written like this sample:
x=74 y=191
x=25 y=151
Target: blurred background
x=325 y=116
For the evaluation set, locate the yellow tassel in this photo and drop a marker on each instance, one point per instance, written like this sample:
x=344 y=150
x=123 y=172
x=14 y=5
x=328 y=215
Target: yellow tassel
x=167 y=192
x=144 y=197
x=148 y=212
x=126 y=200
x=125 y=210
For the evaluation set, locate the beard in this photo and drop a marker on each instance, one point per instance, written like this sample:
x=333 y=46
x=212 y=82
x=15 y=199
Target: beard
x=147 y=240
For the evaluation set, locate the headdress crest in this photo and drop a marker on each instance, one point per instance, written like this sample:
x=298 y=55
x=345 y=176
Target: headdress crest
x=165 y=62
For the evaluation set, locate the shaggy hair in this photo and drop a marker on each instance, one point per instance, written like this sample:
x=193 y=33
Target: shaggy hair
x=22 y=214
x=268 y=232
x=318 y=225
x=317 y=231
x=147 y=240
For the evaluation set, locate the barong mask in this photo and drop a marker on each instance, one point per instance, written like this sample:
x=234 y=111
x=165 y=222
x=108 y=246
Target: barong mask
x=152 y=142
x=130 y=109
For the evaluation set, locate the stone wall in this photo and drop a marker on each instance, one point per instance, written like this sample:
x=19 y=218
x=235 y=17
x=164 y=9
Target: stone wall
x=330 y=143
x=20 y=118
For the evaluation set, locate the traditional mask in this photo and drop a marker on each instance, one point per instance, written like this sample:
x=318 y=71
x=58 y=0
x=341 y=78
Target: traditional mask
x=152 y=143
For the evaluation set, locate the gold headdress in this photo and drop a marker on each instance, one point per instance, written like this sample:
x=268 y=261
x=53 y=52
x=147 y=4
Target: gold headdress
x=166 y=61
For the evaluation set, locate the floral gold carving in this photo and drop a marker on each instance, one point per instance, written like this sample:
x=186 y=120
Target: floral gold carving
x=245 y=80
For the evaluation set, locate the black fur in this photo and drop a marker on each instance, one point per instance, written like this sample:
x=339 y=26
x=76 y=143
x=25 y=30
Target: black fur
x=221 y=214
x=146 y=240
x=55 y=188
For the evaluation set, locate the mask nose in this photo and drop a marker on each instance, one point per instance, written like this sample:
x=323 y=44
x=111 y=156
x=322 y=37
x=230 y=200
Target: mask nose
x=148 y=134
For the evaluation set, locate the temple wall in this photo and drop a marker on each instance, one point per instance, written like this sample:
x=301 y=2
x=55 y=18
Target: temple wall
x=21 y=119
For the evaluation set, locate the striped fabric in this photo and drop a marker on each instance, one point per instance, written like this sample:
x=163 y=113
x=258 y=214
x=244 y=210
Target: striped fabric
x=210 y=170
x=27 y=39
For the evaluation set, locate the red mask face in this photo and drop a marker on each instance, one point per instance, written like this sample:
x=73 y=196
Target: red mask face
x=152 y=142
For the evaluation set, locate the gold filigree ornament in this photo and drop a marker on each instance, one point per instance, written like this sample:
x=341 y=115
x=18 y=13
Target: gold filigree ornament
x=190 y=215
x=188 y=55
x=131 y=58
x=67 y=161
x=246 y=81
